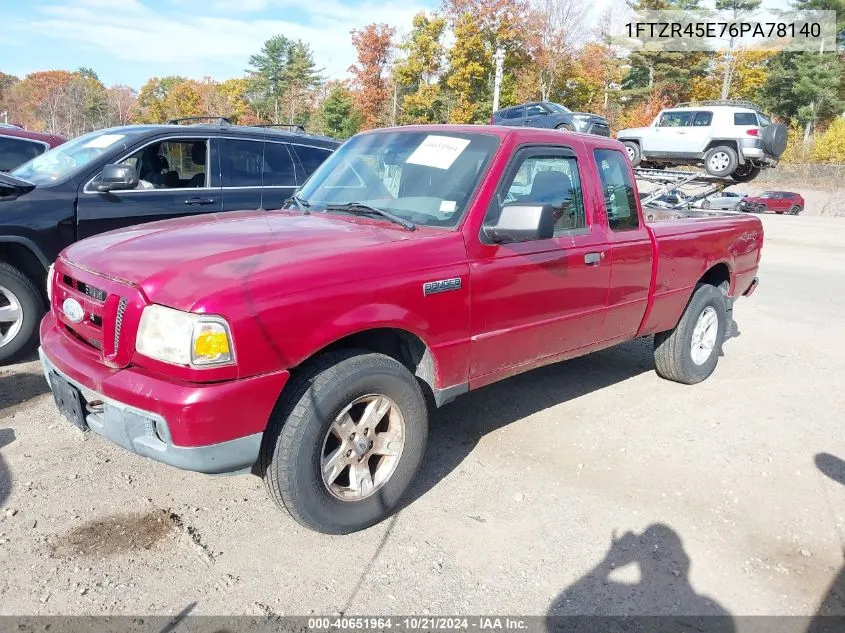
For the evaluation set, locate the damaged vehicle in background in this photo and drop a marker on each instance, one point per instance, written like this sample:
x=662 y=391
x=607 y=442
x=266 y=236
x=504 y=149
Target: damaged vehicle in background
x=545 y=114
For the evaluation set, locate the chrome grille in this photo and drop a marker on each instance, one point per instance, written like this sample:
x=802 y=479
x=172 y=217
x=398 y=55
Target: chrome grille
x=121 y=308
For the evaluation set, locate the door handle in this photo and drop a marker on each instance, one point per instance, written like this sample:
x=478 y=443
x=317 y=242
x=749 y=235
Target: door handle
x=593 y=259
x=198 y=200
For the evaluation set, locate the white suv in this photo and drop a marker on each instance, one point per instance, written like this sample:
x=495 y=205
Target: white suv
x=730 y=138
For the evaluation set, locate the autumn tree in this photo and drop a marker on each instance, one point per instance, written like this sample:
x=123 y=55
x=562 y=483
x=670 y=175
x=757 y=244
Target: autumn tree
x=747 y=76
x=552 y=36
x=6 y=83
x=121 y=102
x=373 y=44
x=417 y=74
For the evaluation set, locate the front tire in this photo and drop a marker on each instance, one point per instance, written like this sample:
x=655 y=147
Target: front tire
x=689 y=353
x=634 y=153
x=21 y=308
x=345 y=441
x=720 y=161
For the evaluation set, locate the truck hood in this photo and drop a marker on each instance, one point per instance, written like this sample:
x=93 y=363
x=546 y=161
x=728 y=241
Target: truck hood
x=180 y=262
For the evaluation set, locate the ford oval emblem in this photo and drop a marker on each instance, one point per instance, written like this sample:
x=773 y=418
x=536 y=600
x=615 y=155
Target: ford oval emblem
x=73 y=310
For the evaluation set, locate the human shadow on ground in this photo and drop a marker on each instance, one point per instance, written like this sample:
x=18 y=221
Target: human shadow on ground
x=456 y=429
x=7 y=436
x=663 y=590
x=833 y=603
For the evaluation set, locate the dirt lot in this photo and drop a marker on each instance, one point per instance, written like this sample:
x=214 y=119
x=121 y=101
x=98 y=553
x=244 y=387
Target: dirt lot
x=713 y=491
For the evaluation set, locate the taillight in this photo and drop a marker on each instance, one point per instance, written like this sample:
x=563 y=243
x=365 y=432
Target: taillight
x=753 y=131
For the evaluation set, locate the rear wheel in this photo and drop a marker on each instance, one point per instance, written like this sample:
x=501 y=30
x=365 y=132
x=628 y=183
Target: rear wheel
x=688 y=353
x=745 y=173
x=795 y=209
x=345 y=441
x=21 y=308
x=720 y=161
x=633 y=151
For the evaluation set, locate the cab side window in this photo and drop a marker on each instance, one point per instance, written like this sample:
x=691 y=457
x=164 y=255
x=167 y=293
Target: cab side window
x=702 y=119
x=554 y=180
x=171 y=164
x=618 y=189
x=676 y=119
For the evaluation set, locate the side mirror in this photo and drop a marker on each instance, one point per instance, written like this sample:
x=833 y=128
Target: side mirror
x=116 y=177
x=519 y=222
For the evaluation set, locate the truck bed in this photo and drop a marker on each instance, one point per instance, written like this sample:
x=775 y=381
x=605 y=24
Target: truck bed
x=680 y=237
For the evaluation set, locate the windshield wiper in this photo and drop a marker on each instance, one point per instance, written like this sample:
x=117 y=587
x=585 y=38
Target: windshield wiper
x=302 y=203
x=360 y=207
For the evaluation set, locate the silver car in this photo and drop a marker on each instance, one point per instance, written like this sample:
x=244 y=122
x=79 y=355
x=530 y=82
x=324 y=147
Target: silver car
x=722 y=200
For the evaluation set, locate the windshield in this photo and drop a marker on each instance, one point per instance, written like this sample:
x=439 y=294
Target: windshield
x=556 y=107
x=58 y=163
x=423 y=177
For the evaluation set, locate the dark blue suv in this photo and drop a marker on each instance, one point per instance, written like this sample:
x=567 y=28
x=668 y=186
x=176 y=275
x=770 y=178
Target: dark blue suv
x=127 y=175
x=551 y=115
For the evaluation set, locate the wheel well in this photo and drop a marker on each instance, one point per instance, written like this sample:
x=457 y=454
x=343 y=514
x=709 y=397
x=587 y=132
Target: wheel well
x=732 y=144
x=26 y=262
x=718 y=276
x=635 y=141
x=400 y=345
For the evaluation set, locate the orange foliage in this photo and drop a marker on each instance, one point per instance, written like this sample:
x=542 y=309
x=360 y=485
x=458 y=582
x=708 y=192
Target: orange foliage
x=373 y=44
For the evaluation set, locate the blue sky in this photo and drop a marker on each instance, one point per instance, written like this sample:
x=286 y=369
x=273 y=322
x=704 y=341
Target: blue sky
x=128 y=41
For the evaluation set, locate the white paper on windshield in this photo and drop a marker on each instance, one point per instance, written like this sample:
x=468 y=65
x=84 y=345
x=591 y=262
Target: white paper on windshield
x=104 y=141
x=448 y=206
x=438 y=151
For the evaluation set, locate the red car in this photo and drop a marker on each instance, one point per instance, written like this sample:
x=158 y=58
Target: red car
x=308 y=343
x=778 y=201
x=18 y=146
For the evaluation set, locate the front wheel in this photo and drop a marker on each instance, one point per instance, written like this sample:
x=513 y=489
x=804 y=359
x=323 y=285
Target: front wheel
x=345 y=442
x=21 y=308
x=706 y=204
x=633 y=151
x=688 y=353
x=721 y=161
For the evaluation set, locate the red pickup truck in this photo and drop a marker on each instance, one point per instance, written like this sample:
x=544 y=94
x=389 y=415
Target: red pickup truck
x=307 y=344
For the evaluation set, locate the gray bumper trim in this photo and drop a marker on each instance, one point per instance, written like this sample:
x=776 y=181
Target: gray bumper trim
x=148 y=434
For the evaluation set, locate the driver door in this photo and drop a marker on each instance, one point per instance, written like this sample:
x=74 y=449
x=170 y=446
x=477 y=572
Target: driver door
x=539 y=299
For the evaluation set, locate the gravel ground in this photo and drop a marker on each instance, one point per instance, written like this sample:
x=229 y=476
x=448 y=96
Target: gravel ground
x=590 y=486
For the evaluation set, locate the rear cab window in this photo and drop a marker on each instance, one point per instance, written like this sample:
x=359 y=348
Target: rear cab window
x=619 y=193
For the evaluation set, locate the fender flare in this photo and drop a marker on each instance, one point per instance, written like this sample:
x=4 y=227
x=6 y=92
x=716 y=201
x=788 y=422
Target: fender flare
x=28 y=243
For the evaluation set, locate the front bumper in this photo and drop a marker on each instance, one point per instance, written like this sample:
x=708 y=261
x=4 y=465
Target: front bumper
x=210 y=428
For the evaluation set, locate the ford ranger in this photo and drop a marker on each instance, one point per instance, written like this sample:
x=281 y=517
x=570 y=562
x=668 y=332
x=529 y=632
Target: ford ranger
x=308 y=344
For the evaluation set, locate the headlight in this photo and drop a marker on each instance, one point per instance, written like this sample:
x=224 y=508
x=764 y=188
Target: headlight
x=183 y=338
x=581 y=121
x=50 y=271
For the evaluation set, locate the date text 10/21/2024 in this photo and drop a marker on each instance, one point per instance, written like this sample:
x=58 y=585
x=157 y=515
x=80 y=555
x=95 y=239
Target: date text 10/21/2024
x=421 y=623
